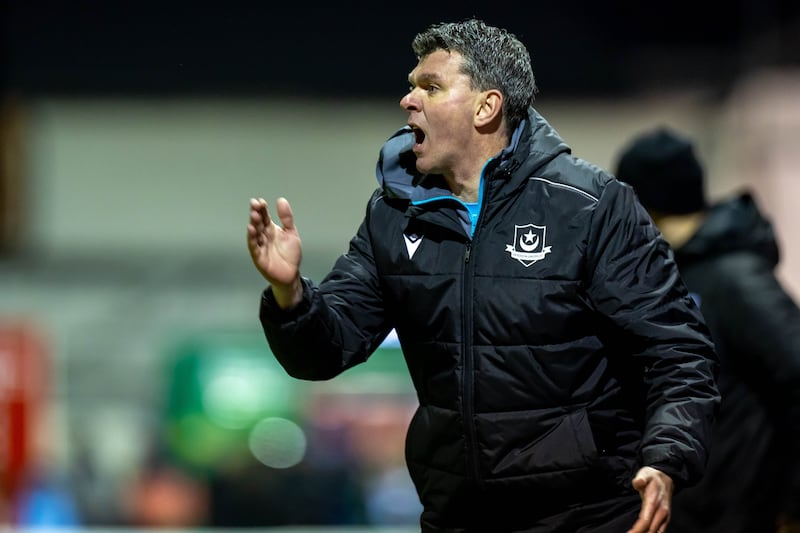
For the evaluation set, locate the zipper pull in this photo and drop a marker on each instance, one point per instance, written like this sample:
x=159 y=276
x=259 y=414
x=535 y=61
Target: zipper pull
x=466 y=254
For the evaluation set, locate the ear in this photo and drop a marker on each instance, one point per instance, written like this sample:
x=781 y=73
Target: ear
x=490 y=107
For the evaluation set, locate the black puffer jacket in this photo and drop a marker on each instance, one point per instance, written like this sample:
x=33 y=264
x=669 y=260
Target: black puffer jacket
x=754 y=469
x=554 y=351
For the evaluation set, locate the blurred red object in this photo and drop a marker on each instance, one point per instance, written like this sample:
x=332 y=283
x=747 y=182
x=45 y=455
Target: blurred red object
x=23 y=391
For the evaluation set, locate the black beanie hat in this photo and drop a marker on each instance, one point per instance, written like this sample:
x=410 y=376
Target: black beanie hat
x=662 y=168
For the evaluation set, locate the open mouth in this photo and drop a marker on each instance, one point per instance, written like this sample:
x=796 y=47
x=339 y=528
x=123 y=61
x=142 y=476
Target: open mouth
x=419 y=135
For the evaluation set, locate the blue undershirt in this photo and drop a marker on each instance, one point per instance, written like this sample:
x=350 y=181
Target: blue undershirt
x=474 y=210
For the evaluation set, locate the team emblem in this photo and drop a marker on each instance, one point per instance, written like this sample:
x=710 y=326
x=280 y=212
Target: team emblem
x=529 y=244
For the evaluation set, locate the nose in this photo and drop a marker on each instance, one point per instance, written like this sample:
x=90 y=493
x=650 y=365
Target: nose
x=408 y=102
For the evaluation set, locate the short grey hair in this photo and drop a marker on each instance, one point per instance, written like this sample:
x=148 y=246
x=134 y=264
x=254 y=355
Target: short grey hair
x=494 y=58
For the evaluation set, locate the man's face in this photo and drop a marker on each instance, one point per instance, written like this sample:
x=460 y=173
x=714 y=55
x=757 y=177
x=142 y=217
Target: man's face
x=441 y=107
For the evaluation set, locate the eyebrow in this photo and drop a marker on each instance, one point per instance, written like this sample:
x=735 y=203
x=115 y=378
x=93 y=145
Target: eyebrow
x=430 y=77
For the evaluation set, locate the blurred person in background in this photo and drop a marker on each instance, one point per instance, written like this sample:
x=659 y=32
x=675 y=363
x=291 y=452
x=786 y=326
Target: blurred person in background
x=727 y=254
x=565 y=377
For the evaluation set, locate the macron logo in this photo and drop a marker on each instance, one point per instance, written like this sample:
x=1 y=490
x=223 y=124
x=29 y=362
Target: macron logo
x=412 y=243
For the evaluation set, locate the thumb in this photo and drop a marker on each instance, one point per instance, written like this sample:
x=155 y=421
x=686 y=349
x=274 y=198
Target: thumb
x=640 y=482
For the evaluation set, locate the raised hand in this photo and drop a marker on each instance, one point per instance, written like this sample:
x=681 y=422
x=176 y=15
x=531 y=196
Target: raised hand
x=276 y=250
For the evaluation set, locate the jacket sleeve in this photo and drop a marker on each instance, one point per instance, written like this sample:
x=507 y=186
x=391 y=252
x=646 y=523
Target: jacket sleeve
x=760 y=321
x=338 y=323
x=635 y=284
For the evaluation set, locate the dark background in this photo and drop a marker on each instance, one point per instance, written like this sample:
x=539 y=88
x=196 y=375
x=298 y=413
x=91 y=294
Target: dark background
x=356 y=49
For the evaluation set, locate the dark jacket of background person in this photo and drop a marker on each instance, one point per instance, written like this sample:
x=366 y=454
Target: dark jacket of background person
x=728 y=262
x=546 y=376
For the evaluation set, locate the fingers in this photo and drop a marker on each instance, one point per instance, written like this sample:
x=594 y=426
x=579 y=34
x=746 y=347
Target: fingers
x=259 y=221
x=285 y=214
x=259 y=214
x=261 y=229
x=655 y=489
x=655 y=523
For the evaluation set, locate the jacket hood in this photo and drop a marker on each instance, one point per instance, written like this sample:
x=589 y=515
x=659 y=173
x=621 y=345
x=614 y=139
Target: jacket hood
x=735 y=225
x=533 y=144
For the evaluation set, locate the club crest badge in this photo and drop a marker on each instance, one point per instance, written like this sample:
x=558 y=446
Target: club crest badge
x=529 y=244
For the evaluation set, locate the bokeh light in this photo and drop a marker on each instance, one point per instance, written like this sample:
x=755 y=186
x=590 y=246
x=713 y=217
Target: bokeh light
x=278 y=442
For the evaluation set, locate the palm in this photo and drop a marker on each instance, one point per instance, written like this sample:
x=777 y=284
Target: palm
x=278 y=259
x=276 y=251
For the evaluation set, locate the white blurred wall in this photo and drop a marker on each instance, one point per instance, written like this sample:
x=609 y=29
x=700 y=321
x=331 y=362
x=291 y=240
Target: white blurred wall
x=175 y=175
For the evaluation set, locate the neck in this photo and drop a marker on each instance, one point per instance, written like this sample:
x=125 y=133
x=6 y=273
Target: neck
x=465 y=182
x=467 y=192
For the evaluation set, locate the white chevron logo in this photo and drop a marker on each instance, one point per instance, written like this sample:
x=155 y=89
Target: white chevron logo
x=412 y=243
